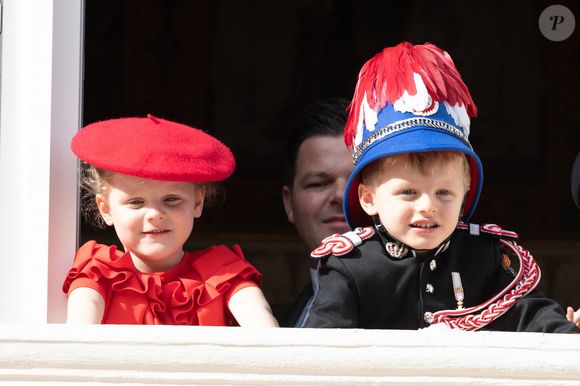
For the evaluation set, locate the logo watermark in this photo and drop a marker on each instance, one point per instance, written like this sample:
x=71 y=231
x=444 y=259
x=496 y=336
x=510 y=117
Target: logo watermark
x=556 y=23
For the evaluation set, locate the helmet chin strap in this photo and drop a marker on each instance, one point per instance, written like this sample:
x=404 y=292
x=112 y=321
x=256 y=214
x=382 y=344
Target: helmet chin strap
x=397 y=249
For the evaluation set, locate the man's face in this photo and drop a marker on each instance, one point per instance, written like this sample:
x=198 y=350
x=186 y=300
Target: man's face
x=314 y=202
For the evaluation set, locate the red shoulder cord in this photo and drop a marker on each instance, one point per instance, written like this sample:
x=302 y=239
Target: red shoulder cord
x=526 y=280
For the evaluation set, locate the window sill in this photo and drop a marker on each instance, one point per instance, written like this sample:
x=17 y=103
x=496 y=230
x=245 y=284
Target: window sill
x=58 y=354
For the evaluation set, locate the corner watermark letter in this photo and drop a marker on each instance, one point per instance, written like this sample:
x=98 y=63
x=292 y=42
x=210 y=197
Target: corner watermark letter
x=556 y=23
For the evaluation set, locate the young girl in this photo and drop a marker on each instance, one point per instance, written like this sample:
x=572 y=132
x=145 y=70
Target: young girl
x=150 y=178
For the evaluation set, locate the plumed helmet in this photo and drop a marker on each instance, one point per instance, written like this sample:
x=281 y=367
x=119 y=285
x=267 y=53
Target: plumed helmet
x=408 y=98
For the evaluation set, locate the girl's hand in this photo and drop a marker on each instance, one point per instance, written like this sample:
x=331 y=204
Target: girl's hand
x=572 y=316
x=85 y=306
x=250 y=308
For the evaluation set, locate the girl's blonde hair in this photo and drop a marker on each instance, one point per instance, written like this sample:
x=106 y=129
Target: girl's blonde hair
x=95 y=181
x=427 y=163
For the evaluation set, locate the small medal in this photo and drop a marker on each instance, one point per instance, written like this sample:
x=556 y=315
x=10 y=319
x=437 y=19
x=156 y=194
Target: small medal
x=458 y=289
x=506 y=263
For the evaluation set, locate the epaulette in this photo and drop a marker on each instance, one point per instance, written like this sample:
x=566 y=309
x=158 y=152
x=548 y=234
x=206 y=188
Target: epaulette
x=487 y=229
x=339 y=245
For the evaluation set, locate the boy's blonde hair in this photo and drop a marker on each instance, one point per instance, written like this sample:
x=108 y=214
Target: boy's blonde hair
x=426 y=163
x=95 y=181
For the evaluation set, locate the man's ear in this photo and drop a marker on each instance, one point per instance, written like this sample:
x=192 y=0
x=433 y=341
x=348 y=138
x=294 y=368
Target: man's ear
x=287 y=200
x=366 y=199
x=199 y=200
x=104 y=209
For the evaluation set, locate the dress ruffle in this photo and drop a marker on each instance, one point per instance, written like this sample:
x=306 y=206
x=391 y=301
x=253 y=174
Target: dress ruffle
x=177 y=296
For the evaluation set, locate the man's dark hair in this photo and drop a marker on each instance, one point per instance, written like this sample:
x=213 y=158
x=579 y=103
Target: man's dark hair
x=325 y=117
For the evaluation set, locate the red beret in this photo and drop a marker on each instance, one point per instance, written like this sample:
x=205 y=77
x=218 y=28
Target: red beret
x=154 y=148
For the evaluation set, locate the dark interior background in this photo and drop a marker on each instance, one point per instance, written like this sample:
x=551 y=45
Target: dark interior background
x=241 y=70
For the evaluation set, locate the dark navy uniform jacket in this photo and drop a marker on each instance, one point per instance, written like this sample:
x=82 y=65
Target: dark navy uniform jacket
x=368 y=289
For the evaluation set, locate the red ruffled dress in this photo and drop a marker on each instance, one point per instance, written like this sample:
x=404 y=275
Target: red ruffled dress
x=195 y=292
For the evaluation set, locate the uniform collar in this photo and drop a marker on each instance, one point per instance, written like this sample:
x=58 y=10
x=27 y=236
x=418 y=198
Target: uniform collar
x=399 y=250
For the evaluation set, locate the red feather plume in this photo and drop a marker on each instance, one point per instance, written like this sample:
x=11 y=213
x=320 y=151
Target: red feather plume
x=389 y=73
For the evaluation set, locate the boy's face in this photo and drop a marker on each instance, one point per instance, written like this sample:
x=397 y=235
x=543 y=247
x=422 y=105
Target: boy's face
x=420 y=210
x=152 y=219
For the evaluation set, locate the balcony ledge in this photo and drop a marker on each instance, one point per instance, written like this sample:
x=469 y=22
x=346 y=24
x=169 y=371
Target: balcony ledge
x=58 y=354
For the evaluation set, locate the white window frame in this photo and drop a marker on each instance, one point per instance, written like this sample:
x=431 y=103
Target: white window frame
x=41 y=93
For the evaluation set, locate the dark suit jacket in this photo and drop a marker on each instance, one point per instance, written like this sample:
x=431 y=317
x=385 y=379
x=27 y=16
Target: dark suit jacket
x=298 y=307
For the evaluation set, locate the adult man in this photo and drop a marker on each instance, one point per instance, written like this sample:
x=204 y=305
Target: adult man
x=317 y=168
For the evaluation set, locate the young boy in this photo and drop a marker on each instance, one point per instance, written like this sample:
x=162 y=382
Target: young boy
x=411 y=261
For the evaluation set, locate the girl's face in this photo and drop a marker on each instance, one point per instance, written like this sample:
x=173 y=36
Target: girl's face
x=152 y=219
x=420 y=210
